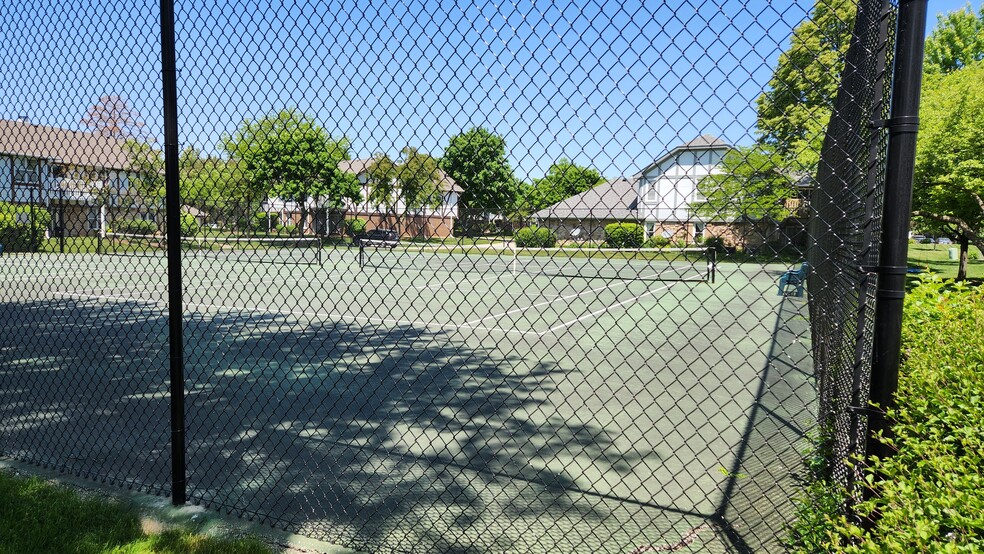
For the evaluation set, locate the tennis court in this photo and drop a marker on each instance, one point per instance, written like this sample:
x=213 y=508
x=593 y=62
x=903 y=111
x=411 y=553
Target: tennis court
x=509 y=399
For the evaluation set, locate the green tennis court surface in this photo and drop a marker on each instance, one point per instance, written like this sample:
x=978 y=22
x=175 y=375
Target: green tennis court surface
x=562 y=402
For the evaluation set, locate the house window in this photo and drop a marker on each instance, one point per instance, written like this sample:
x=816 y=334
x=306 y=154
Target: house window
x=650 y=192
x=27 y=172
x=92 y=218
x=650 y=229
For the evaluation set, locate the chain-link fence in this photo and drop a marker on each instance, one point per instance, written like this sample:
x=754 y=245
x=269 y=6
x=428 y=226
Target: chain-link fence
x=454 y=277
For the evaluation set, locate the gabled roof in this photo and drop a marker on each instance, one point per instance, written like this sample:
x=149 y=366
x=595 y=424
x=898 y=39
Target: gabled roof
x=79 y=148
x=616 y=199
x=361 y=165
x=703 y=142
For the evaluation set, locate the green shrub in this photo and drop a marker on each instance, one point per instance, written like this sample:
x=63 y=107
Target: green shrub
x=263 y=222
x=657 y=242
x=135 y=227
x=624 y=235
x=717 y=243
x=21 y=228
x=930 y=494
x=535 y=237
x=356 y=226
x=189 y=225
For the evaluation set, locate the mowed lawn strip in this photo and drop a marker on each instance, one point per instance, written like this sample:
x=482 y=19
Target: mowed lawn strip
x=39 y=517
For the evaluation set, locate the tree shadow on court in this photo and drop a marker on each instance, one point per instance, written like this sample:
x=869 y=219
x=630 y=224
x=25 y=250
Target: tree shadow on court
x=367 y=435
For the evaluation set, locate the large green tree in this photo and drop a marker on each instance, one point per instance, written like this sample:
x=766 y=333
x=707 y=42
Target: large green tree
x=956 y=41
x=563 y=180
x=476 y=160
x=948 y=189
x=217 y=186
x=419 y=177
x=794 y=110
x=289 y=155
x=147 y=175
x=751 y=184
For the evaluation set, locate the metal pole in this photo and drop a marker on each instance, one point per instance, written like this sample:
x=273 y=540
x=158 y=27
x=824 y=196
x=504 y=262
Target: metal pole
x=173 y=213
x=902 y=127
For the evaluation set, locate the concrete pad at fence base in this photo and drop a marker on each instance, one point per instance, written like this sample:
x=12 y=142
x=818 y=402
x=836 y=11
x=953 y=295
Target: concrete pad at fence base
x=157 y=514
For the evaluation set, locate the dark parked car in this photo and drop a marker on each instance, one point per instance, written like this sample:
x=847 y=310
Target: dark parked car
x=387 y=238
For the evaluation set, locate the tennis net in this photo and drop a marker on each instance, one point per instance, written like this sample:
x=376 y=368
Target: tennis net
x=646 y=264
x=274 y=250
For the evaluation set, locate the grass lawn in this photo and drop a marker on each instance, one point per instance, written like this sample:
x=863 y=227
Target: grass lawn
x=38 y=517
x=936 y=258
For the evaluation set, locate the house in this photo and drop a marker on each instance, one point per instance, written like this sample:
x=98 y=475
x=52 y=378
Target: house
x=660 y=198
x=426 y=222
x=82 y=178
x=584 y=216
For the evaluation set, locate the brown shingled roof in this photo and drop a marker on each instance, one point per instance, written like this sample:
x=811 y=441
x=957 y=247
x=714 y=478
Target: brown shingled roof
x=359 y=166
x=22 y=138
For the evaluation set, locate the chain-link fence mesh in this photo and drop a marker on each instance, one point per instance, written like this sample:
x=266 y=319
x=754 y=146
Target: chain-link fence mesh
x=456 y=277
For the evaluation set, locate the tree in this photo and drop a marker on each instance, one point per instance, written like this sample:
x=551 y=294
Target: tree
x=794 y=111
x=290 y=156
x=476 y=160
x=147 y=176
x=948 y=188
x=750 y=184
x=563 y=180
x=217 y=186
x=419 y=178
x=112 y=116
x=381 y=178
x=956 y=41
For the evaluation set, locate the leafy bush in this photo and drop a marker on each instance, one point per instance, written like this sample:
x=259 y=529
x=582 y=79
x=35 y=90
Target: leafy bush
x=535 y=237
x=135 y=227
x=930 y=494
x=624 y=235
x=717 y=243
x=356 y=226
x=657 y=242
x=22 y=230
x=263 y=222
x=189 y=225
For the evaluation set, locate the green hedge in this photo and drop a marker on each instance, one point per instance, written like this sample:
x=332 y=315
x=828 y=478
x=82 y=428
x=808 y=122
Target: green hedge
x=356 y=226
x=189 y=225
x=657 y=242
x=624 y=235
x=535 y=237
x=135 y=227
x=931 y=496
x=22 y=230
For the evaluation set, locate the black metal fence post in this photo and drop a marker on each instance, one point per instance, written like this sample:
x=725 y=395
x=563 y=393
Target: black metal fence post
x=901 y=158
x=173 y=211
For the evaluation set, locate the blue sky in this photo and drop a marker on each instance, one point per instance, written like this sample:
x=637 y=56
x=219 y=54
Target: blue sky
x=610 y=84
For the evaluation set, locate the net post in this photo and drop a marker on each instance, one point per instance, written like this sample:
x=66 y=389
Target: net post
x=712 y=263
x=515 y=257
x=362 y=255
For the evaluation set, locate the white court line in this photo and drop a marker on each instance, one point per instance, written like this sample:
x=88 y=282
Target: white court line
x=606 y=309
x=342 y=316
x=547 y=302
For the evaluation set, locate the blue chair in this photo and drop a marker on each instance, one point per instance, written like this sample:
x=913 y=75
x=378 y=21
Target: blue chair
x=795 y=277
